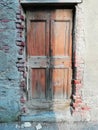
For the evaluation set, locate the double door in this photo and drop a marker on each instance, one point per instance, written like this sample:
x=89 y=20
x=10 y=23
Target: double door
x=49 y=55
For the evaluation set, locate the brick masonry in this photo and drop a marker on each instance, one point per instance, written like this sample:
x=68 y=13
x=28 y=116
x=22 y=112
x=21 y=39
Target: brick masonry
x=13 y=74
x=79 y=107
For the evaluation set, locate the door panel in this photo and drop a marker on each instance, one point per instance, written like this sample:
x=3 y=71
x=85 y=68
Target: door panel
x=59 y=46
x=38 y=83
x=37 y=45
x=49 y=49
x=58 y=83
x=37 y=33
x=60 y=55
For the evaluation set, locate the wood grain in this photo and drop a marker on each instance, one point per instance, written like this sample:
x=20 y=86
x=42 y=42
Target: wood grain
x=49 y=49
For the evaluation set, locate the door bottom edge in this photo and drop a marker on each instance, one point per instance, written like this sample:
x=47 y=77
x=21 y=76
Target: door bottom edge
x=50 y=116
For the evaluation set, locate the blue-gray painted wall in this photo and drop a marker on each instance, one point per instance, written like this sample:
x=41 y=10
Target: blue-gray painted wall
x=9 y=75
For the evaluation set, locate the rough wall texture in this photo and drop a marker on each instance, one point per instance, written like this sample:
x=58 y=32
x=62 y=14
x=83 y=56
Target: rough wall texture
x=90 y=87
x=9 y=75
x=12 y=69
x=86 y=29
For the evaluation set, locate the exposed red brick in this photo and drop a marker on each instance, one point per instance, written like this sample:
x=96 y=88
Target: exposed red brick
x=24 y=74
x=78 y=101
x=24 y=110
x=21 y=51
x=21 y=61
x=20 y=43
x=18 y=22
x=22 y=17
x=20 y=65
x=18 y=15
x=85 y=108
x=76 y=97
x=5 y=20
x=77 y=81
x=19 y=26
x=23 y=84
x=22 y=100
x=75 y=105
x=21 y=69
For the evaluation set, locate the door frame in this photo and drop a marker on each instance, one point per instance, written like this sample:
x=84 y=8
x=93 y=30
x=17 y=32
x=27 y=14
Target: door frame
x=30 y=101
x=24 y=2
x=75 y=40
x=29 y=71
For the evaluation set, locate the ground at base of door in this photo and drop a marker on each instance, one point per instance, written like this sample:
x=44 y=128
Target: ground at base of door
x=49 y=126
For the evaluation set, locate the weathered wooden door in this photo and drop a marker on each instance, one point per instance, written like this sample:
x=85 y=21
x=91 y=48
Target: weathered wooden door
x=49 y=55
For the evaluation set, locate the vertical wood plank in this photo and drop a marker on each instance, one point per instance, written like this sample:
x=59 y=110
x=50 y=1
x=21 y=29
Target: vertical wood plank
x=60 y=83
x=37 y=44
x=61 y=45
x=50 y=34
x=38 y=83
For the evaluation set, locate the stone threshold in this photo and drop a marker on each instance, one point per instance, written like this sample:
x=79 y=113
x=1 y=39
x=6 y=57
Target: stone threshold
x=47 y=117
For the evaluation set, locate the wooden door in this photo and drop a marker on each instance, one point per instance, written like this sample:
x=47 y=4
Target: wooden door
x=49 y=55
